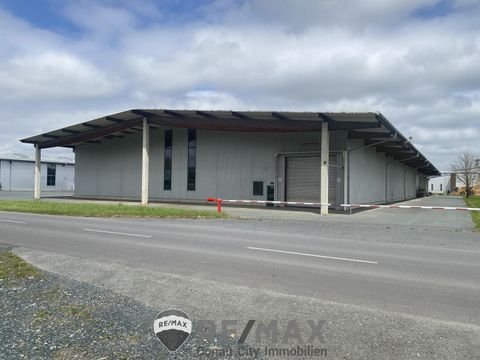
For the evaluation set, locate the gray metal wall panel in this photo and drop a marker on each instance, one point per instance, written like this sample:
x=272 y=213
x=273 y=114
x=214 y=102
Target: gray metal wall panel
x=410 y=181
x=86 y=183
x=367 y=177
x=227 y=163
x=109 y=169
x=22 y=176
x=19 y=176
x=131 y=165
x=5 y=174
x=109 y=183
x=395 y=188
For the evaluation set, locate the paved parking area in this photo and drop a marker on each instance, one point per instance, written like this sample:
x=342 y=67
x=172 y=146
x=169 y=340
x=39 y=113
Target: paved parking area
x=454 y=219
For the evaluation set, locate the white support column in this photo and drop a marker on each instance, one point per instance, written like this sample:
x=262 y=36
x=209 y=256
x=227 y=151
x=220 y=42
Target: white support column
x=324 y=157
x=345 y=179
x=38 y=164
x=145 y=161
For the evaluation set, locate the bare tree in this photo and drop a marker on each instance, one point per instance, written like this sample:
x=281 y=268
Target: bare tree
x=467 y=168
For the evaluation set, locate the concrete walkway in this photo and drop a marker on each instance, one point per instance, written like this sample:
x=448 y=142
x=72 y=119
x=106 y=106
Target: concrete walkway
x=450 y=219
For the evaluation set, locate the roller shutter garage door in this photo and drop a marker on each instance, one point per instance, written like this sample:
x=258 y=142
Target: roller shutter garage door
x=303 y=179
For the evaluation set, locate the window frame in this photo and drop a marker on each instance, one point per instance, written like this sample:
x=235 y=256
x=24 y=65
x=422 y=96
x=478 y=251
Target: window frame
x=167 y=159
x=191 y=159
x=256 y=183
x=51 y=177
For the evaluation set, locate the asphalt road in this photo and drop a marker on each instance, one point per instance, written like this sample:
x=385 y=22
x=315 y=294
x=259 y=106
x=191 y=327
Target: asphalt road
x=424 y=271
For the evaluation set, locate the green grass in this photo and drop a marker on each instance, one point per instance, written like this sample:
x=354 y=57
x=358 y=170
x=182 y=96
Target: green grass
x=12 y=268
x=474 y=201
x=100 y=210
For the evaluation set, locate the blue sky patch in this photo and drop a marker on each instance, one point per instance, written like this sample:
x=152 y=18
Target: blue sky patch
x=439 y=9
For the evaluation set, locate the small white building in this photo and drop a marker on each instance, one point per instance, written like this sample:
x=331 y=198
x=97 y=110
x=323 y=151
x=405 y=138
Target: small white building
x=444 y=184
x=17 y=173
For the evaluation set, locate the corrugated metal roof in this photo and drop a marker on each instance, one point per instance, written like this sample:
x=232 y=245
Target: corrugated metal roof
x=45 y=159
x=369 y=126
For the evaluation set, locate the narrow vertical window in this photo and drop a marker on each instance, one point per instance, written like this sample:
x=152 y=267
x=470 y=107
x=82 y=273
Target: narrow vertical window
x=167 y=166
x=192 y=158
x=51 y=174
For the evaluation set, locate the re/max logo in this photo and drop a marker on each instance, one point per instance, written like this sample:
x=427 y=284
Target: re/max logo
x=286 y=332
x=168 y=323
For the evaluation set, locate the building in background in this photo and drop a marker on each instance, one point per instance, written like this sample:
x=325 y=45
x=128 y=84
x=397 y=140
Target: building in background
x=444 y=184
x=332 y=158
x=17 y=173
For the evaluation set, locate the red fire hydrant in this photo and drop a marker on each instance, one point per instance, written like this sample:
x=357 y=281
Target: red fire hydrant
x=218 y=201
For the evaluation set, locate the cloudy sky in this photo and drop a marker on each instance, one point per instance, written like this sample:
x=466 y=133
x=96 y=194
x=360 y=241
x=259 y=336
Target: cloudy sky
x=415 y=61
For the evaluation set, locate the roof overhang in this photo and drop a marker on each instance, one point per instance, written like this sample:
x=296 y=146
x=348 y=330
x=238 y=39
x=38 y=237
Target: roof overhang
x=370 y=127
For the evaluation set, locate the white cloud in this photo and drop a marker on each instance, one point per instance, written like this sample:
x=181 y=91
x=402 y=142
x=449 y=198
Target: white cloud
x=53 y=76
x=423 y=74
x=19 y=37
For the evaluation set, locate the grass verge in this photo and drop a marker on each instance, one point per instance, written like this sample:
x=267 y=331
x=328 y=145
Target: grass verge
x=100 y=210
x=474 y=201
x=12 y=268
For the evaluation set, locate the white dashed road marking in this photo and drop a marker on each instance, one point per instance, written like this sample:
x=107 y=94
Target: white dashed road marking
x=312 y=255
x=13 y=221
x=117 y=233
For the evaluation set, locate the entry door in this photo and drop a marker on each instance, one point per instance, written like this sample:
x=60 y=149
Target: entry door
x=303 y=179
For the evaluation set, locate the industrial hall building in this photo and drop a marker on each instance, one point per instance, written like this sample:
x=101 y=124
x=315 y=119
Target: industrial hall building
x=179 y=155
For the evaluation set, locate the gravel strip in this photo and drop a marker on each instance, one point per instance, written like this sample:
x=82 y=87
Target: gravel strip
x=55 y=317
